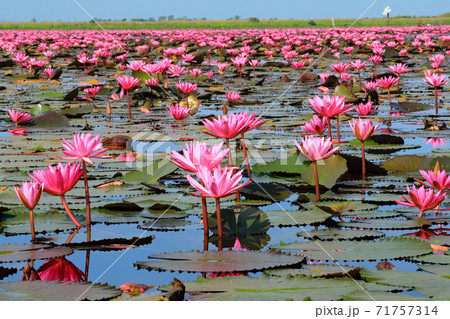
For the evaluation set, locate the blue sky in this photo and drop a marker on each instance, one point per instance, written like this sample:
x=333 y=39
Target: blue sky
x=68 y=10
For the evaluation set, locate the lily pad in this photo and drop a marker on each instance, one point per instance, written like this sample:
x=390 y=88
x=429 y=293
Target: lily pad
x=387 y=224
x=340 y=234
x=56 y=291
x=220 y=261
x=270 y=288
x=151 y=173
x=270 y=191
x=39 y=108
x=296 y=218
x=24 y=252
x=327 y=271
x=381 y=296
x=385 y=248
x=292 y=165
x=434 y=286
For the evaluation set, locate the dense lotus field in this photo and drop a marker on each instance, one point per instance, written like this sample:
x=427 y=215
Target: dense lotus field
x=250 y=164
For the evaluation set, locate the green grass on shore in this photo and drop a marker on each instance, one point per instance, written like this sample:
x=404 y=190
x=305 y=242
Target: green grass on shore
x=229 y=24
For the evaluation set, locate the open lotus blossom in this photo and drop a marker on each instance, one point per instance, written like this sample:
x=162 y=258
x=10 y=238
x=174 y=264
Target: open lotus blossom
x=84 y=147
x=178 y=112
x=363 y=129
x=58 y=181
x=62 y=270
x=315 y=149
x=399 y=69
x=49 y=72
x=20 y=58
x=316 y=126
x=365 y=108
x=136 y=65
x=375 y=59
x=231 y=96
x=330 y=107
x=370 y=85
x=127 y=83
x=93 y=91
x=422 y=199
x=387 y=82
x=435 y=80
x=18 y=117
x=217 y=183
x=440 y=181
x=226 y=126
x=358 y=66
x=29 y=194
x=186 y=88
x=198 y=154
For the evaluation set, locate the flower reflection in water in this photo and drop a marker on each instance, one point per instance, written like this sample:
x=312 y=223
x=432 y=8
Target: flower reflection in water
x=435 y=142
x=61 y=269
x=237 y=247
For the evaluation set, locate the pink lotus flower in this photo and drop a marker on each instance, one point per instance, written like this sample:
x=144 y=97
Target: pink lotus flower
x=222 y=66
x=339 y=67
x=358 y=65
x=323 y=76
x=48 y=72
x=387 y=82
x=399 y=68
x=178 y=112
x=370 y=85
x=316 y=148
x=60 y=269
x=127 y=82
x=422 y=199
x=219 y=182
x=365 y=109
x=18 y=117
x=435 y=80
x=329 y=106
x=199 y=155
x=316 y=126
x=93 y=91
x=226 y=126
x=176 y=71
x=136 y=65
x=233 y=96
x=186 y=87
x=363 y=129
x=84 y=147
x=29 y=194
x=58 y=181
x=439 y=180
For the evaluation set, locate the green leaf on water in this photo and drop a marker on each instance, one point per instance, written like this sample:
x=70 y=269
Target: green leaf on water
x=329 y=170
x=39 y=108
x=150 y=173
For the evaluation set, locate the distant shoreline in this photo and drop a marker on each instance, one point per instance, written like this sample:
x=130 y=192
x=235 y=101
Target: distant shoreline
x=443 y=19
